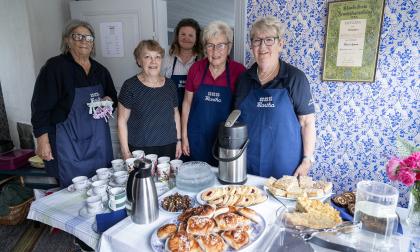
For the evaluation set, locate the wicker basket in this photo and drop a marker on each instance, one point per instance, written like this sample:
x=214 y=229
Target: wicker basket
x=17 y=213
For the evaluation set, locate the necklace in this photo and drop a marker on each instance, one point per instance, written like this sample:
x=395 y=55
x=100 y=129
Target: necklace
x=153 y=84
x=268 y=76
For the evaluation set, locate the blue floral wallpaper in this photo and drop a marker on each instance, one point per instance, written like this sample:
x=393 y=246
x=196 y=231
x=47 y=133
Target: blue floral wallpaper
x=357 y=123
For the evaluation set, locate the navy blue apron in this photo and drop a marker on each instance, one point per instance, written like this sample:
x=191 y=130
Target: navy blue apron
x=83 y=144
x=210 y=106
x=275 y=147
x=179 y=81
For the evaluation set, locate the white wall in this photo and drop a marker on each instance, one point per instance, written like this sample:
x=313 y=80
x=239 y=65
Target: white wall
x=30 y=34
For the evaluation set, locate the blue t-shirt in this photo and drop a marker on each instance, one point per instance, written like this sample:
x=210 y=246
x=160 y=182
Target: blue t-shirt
x=289 y=77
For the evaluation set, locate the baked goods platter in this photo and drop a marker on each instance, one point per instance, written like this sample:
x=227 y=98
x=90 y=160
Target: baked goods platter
x=232 y=195
x=291 y=187
x=209 y=228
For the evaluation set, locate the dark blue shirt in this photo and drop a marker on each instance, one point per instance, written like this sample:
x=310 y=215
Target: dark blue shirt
x=289 y=77
x=152 y=121
x=55 y=88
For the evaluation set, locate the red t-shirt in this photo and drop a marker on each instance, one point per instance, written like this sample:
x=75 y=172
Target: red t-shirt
x=196 y=72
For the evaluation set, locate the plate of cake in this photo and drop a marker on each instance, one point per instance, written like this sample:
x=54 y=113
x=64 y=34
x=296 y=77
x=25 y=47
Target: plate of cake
x=291 y=187
x=207 y=228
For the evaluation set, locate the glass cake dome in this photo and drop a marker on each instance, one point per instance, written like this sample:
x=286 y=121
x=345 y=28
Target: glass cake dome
x=194 y=176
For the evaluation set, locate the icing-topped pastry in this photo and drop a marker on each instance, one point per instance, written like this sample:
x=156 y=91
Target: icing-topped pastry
x=236 y=238
x=199 y=225
x=212 y=243
x=166 y=230
x=182 y=241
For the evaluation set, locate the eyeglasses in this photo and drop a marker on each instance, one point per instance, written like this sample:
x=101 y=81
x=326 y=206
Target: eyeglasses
x=269 y=41
x=217 y=47
x=80 y=37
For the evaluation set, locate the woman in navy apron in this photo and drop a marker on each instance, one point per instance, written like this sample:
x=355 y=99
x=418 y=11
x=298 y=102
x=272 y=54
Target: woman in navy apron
x=185 y=50
x=276 y=104
x=208 y=95
x=69 y=138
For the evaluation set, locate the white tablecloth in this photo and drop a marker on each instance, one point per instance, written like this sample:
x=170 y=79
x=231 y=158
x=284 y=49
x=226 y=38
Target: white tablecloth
x=61 y=210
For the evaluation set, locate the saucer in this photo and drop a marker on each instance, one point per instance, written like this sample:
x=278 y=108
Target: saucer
x=115 y=184
x=85 y=214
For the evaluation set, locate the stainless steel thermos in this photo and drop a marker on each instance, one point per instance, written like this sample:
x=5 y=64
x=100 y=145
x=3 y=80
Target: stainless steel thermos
x=232 y=142
x=141 y=192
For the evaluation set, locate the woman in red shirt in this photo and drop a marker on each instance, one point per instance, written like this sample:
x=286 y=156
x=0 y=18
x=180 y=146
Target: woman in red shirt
x=208 y=93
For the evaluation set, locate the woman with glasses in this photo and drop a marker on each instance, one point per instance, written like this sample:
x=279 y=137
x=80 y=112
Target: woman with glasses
x=69 y=139
x=185 y=50
x=208 y=93
x=148 y=116
x=277 y=106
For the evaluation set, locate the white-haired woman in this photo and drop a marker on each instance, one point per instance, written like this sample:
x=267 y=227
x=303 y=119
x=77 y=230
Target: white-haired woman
x=209 y=91
x=69 y=139
x=277 y=106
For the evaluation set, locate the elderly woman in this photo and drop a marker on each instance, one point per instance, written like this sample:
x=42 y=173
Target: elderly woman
x=69 y=139
x=276 y=104
x=148 y=116
x=185 y=50
x=209 y=93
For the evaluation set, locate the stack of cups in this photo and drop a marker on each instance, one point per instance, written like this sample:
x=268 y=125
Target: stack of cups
x=117 y=165
x=129 y=162
x=80 y=183
x=94 y=204
x=99 y=188
x=138 y=154
x=163 y=169
x=103 y=173
x=120 y=177
x=153 y=158
x=175 y=164
x=117 y=198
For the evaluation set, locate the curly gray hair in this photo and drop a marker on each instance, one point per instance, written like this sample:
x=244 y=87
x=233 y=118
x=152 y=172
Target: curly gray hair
x=217 y=28
x=70 y=27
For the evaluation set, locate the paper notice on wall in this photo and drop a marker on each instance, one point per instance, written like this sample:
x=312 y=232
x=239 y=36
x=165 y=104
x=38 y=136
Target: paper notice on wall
x=351 y=42
x=112 y=44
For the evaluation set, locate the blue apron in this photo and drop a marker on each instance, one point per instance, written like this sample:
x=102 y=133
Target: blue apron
x=83 y=144
x=179 y=81
x=210 y=106
x=275 y=147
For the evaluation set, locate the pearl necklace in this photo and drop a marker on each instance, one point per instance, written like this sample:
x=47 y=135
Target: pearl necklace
x=268 y=76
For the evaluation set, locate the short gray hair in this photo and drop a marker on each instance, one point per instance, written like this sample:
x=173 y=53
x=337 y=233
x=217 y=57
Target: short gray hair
x=217 y=28
x=70 y=27
x=268 y=23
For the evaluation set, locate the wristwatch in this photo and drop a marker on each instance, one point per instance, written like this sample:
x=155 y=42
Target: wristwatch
x=311 y=158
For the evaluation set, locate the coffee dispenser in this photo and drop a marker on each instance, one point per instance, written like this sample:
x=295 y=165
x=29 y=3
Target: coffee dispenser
x=231 y=143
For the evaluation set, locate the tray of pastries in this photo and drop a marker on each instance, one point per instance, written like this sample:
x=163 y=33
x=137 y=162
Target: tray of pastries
x=232 y=195
x=207 y=228
x=291 y=187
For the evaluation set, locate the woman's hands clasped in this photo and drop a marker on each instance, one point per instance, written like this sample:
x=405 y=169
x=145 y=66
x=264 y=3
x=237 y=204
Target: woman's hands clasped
x=43 y=149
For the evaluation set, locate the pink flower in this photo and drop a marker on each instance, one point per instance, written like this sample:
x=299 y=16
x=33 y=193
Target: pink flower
x=410 y=162
x=406 y=177
x=391 y=168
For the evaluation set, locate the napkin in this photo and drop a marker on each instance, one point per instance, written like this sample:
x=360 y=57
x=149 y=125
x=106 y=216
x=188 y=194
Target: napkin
x=345 y=215
x=107 y=220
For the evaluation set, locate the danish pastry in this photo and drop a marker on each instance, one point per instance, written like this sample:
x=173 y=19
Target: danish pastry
x=166 y=230
x=229 y=221
x=211 y=194
x=212 y=243
x=198 y=225
x=250 y=214
x=182 y=241
x=236 y=238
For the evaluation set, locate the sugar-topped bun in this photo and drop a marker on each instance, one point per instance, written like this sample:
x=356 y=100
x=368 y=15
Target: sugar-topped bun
x=205 y=210
x=186 y=214
x=182 y=241
x=199 y=225
x=165 y=231
x=212 y=243
x=250 y=214
x=229 y=221
x=236 y=238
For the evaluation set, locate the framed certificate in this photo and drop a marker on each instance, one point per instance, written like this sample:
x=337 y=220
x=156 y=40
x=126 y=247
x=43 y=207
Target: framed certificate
x=352 y=40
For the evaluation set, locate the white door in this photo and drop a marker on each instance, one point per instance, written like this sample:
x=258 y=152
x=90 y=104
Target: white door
x=119 y=26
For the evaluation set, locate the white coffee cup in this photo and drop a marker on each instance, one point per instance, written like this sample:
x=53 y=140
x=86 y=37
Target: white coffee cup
x=153 y=158
x=120 y=177
x=164 y=159
x=117 y=164
x=80 y=182
x=94 y=204
x=103 y=173
x=175 y=164
x=117 y=194
x=139 y=154
x=99 y=187
x=116 y=205
x=163 y=171
x=129 y=162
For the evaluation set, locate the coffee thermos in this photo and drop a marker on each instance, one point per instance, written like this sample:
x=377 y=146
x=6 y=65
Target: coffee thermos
x=141 y=192
x=232 y=142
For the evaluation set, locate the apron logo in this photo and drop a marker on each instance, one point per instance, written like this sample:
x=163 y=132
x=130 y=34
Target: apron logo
x=266 y=102
x=181 y=83
x=95 y=96
x=213 y=97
